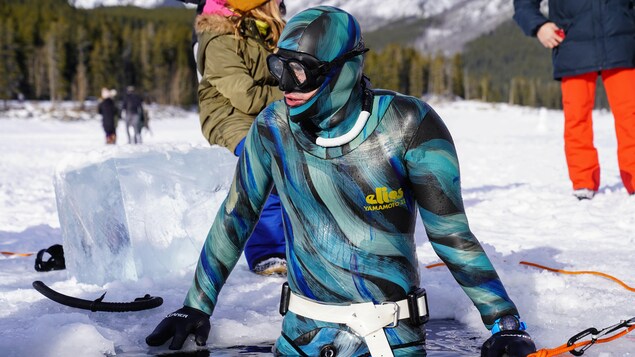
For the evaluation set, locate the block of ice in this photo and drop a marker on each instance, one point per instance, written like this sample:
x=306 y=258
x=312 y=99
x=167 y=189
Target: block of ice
x=133 y=211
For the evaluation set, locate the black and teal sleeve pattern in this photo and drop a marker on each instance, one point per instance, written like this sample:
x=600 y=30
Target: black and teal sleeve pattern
x=234 y=222
x=434 y=173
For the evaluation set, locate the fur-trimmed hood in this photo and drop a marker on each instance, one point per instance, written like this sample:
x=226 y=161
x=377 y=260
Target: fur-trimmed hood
x=213 y=23
x=236 y=84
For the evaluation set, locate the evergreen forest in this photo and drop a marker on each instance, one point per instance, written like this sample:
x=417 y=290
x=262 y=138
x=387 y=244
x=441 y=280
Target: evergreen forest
x=52 y=51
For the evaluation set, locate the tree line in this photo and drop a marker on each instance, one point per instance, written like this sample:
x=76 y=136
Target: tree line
x=502 y=65
x=52 y=51
x=408 y=71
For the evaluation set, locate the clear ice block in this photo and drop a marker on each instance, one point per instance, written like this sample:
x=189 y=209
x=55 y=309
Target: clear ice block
x=130 y=212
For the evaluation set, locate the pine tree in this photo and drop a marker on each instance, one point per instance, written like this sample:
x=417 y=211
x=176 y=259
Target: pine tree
x=484 y=88
x=55 y=45
x=458 y=85
x=438 y=76
x=390 y=60
x=417 y=76
x=515 y=89
x=80 y=81
x=371 y=68
x=147 y=52
x=9 y=68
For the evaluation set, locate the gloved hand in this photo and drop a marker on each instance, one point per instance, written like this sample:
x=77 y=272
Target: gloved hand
x=508 y=343
x=179 y=325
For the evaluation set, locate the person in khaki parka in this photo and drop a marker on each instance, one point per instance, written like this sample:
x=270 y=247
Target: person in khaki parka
x=234 y=39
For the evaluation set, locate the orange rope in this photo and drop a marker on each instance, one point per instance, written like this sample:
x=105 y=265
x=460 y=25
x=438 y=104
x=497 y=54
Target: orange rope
x=629 y=288
x=549 y=352
x=581 y=272
x=17 y=254
x=435 y=265
x=565 y=348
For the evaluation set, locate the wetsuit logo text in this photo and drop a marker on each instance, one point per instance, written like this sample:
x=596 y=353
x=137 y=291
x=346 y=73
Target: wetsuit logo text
x=383 y=198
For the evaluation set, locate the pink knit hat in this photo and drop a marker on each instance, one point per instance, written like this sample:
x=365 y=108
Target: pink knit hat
x=218 y=7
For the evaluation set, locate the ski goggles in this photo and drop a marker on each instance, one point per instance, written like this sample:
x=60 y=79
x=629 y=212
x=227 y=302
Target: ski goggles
x=302 y=72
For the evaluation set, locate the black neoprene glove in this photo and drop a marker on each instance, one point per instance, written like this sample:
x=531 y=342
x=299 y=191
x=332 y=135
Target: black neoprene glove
x=179 y=325
x=508 y=343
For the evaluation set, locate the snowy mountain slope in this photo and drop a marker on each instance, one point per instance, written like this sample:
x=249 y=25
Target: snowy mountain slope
x=450 y=23
x=465 y=20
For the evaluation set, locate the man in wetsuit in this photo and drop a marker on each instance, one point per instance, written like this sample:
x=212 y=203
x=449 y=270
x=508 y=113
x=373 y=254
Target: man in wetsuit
x=352 y=166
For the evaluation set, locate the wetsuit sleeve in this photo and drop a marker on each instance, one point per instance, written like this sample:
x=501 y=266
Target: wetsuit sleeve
x=434 y=173
x=234 y=222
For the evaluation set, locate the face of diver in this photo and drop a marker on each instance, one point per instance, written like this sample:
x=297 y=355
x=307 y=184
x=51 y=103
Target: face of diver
x=318 y=63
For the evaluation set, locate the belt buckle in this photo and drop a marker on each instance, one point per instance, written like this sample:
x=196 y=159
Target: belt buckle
x=395 y=314
x=413 y=307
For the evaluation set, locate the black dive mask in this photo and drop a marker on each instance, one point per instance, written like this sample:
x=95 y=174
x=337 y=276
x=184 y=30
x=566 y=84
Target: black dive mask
x=302 y=72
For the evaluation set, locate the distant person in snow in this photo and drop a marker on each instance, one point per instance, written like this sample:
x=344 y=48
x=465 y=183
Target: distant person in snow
x=589 y=39
x=352 y=167
x=134 y=115
x=109 y=114
x=234 y=39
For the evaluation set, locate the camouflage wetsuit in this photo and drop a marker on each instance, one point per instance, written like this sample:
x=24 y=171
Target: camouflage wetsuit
x=349 y=215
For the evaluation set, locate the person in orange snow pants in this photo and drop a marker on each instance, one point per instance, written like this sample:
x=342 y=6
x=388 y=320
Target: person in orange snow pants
x=578 y=93
x=589 y=39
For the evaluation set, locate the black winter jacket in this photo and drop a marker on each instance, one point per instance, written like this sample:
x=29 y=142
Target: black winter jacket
x=599 y=34
x=132 y=103
x=109 y=112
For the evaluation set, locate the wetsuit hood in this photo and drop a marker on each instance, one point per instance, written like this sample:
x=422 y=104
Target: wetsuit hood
x=327 y=33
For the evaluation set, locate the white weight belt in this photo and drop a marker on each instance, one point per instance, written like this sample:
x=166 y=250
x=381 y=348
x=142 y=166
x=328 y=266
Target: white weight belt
x=365 y=319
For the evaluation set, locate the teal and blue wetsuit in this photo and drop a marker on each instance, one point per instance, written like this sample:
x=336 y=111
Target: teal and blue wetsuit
x=349 y=215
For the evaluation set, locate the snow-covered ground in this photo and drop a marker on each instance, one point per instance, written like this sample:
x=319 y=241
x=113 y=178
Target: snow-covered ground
x=518 y=200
